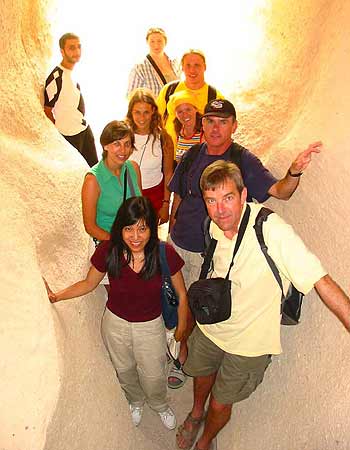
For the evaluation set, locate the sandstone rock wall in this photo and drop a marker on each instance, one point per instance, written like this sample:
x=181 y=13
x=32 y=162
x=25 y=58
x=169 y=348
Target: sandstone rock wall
x=58 y=389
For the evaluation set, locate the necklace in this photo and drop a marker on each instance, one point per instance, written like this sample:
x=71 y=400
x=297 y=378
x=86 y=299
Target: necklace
x=143 y=148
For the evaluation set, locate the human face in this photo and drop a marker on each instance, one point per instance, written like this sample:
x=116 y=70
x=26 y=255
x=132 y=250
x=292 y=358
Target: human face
x=186 y=114
x=156 y=43
x=71 y=52
x=136 y=236
x=224 y=205
x=193 y=67
x=142 y=115
x=218 y=132
x=118 y=152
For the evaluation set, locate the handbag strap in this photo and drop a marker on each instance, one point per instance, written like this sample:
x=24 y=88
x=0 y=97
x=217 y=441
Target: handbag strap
x=212 y=245
x=128 y=182
x=156 y=68
x=163 y=261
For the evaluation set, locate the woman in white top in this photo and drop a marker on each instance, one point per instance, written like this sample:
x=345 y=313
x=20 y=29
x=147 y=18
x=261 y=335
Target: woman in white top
x=156 y=69
x=154 y=151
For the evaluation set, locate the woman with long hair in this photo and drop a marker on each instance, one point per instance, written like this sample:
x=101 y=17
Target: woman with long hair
x=132 y=326
x=154 y=152
x=110 y=180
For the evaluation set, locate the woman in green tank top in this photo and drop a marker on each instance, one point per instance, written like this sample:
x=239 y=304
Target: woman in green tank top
x=105 y=183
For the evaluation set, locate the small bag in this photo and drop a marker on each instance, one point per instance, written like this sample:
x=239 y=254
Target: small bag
x=169 y=299
x=292 y=301
x=211 y=299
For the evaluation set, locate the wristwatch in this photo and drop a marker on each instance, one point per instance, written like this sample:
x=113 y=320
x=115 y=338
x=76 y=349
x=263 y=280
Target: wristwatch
x=294 y=175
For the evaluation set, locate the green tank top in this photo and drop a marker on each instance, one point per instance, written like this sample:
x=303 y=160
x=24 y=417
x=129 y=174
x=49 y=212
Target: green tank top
x=112 y=190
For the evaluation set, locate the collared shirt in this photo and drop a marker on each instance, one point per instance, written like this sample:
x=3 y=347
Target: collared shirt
x=112 y=191
x=144 y=75
x=254 y=326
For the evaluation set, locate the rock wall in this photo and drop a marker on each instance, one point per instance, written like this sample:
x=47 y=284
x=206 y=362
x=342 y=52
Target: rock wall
x=58 y=389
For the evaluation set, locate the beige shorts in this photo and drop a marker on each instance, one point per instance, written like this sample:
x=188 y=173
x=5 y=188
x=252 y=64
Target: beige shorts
x=237 y=376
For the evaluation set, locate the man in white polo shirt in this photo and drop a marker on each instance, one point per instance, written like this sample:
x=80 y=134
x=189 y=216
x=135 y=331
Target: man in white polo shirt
x=64 y=104
x=228 y=359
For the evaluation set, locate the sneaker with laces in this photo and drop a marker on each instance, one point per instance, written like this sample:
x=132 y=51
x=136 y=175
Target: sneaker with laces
x=168 y=418
x=136 y=414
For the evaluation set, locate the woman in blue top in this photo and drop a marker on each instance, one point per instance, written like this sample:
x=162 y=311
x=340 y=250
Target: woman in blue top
x=104 y=185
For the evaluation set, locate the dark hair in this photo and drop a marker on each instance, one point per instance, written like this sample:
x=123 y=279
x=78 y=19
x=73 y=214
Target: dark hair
x=198 y=125
x=144 y=95
x=65 y=37
x=114 y=131
x=132 y=211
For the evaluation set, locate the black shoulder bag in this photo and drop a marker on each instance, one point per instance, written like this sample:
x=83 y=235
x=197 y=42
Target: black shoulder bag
x=211 y=299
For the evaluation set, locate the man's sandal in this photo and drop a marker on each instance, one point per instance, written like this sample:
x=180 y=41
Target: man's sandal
x=213 y=445
x=188 y=436
x=176 y=376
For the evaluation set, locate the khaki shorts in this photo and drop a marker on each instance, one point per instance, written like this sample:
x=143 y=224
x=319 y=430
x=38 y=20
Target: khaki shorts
x=237 y=376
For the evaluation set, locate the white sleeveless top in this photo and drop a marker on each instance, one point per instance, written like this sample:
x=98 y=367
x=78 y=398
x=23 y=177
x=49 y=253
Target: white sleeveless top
x=149 y=158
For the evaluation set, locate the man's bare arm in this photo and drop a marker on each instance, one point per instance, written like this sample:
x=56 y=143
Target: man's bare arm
x=335 y=299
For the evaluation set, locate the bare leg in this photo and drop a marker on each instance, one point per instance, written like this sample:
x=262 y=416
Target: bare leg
x=201 y=390
x=218 y=416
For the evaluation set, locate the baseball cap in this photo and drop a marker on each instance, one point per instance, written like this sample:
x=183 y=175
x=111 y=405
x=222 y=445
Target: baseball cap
x=220 y=108
x=178 y=99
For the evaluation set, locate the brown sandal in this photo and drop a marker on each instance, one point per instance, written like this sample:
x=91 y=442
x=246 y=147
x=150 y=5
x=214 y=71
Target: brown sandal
x=189 y=436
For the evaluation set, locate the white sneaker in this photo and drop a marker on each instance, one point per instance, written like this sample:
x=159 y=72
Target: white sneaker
x=168 y=418
x=136 y=414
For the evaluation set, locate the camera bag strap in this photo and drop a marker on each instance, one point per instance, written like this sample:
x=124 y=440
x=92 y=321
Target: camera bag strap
x=212 y=245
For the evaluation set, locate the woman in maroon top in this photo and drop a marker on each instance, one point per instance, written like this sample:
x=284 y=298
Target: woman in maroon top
x=132 y=326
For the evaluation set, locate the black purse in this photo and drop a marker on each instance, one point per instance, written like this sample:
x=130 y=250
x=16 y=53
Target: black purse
x=169 y=299
x=211 y=299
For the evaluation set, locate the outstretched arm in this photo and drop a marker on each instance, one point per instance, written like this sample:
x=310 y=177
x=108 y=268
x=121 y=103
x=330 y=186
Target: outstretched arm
x=335 y=299
x=285 y=188
x=83 y=287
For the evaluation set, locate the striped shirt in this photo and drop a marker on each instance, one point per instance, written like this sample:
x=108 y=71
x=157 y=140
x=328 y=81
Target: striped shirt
x=144 y=75
x=183 y=144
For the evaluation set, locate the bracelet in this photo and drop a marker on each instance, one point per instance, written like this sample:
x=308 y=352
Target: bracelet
x=294 y=175
x=166 y=201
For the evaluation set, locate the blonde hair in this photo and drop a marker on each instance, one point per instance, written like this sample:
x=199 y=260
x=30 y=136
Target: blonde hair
x=156 y=30
x=193 y=51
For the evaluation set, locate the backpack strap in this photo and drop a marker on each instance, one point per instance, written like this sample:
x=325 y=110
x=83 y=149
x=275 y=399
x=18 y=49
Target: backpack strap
x=156 y=68
x=260 y=219
x=235 y=154
x=207 y=237
x=170 y=90
x=164 y=268
x=211 y=93
x=187 y=160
